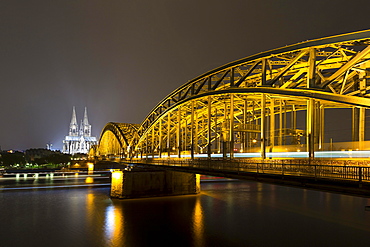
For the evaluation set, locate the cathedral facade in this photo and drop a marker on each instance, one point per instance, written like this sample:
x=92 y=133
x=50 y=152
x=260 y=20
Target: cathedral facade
x=79 y=139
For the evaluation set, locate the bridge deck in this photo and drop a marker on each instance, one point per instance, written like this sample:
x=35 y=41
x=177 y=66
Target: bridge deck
x=340 y=178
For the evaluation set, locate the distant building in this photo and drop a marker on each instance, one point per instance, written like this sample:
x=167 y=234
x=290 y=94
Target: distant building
x=78 y=140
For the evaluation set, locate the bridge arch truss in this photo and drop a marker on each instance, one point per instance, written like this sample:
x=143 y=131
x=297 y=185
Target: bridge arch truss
x=254 y=104
x=117 y=140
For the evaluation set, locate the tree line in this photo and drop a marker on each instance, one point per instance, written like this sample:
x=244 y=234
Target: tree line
x=33 y=157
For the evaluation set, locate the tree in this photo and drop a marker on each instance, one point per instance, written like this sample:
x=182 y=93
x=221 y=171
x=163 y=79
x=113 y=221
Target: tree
x=12 y=158
x=58 y=158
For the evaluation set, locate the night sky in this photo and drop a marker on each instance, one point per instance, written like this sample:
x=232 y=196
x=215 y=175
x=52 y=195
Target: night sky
x=119 y=58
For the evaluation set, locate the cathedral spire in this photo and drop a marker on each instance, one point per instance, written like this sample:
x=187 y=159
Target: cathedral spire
x=86 y=120
x=74 y=118
x=73 y=127
x=86 y=126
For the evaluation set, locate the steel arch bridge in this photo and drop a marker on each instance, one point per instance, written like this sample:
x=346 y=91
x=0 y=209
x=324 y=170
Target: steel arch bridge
x=116 y=140
x=250 y=106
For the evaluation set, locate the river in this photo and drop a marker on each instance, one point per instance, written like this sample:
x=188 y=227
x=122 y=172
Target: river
x=77 y=211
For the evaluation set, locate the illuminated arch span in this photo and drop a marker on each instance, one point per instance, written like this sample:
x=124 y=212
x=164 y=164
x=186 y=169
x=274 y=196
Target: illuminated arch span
x=251 y=105
x=117 y=138
x=327 y=68
x=252 y=98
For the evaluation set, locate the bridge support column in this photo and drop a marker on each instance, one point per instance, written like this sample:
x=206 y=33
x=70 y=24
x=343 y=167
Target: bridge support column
x=168 y=135
x=244 y=135
x=281 y=127
x=361 y=128
x=152 y=183
x=209 y=125
x=192 y=131
x=272 y=124
x=146 y=146
x=263 y=126
x=320 y=123
x=152 y=147
x=179 y=132
x=160 y=139
x=224 y=133
x=196 y=134
x=310 y=128
x=231 y=134
x=358 y=126
x=218 y=133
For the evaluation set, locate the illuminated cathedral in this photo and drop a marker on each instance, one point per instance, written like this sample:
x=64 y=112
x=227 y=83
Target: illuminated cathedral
x=79 y=139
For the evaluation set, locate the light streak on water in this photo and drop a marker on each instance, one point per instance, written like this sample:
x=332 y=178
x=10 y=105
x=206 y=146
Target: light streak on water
x=54 y=187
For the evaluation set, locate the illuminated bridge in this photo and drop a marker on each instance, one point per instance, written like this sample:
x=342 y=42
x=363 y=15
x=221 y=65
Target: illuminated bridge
x=265 y=112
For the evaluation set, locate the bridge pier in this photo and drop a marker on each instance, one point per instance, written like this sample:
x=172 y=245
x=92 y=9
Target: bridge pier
x=153 y=183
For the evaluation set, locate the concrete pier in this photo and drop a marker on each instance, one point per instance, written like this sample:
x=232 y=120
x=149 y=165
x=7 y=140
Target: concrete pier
x=152 y=183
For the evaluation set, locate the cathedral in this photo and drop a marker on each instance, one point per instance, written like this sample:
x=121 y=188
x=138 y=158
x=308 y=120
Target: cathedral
x=79 y=140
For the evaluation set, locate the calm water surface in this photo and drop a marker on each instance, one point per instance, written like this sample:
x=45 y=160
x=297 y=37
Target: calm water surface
x=237 y=213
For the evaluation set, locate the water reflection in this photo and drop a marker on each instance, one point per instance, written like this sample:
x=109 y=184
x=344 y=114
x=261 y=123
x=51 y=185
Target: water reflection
x=198 y=223
x=113 y=226
x=224 y=214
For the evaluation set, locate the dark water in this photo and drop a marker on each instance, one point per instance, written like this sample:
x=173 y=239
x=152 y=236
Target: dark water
x=224 y=214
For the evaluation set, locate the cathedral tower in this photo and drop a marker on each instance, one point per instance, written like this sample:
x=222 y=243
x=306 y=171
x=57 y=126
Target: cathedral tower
x=79 y=140
x=85 y=126
x=73 y=126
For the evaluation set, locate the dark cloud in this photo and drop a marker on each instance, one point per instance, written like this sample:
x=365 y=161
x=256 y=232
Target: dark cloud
x=119 y=58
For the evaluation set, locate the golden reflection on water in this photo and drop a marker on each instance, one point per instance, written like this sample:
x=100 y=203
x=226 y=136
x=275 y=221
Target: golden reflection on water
x=198 y=223
x=89 y=180
x=90 y=208
x=114 y=226
x=111 y=221
x=90 y=169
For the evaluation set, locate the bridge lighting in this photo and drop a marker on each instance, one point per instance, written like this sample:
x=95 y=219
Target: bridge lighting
x=116 y=176
x=254 y=141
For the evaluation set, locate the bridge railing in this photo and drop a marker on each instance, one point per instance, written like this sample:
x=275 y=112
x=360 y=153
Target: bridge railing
x=352 y=171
